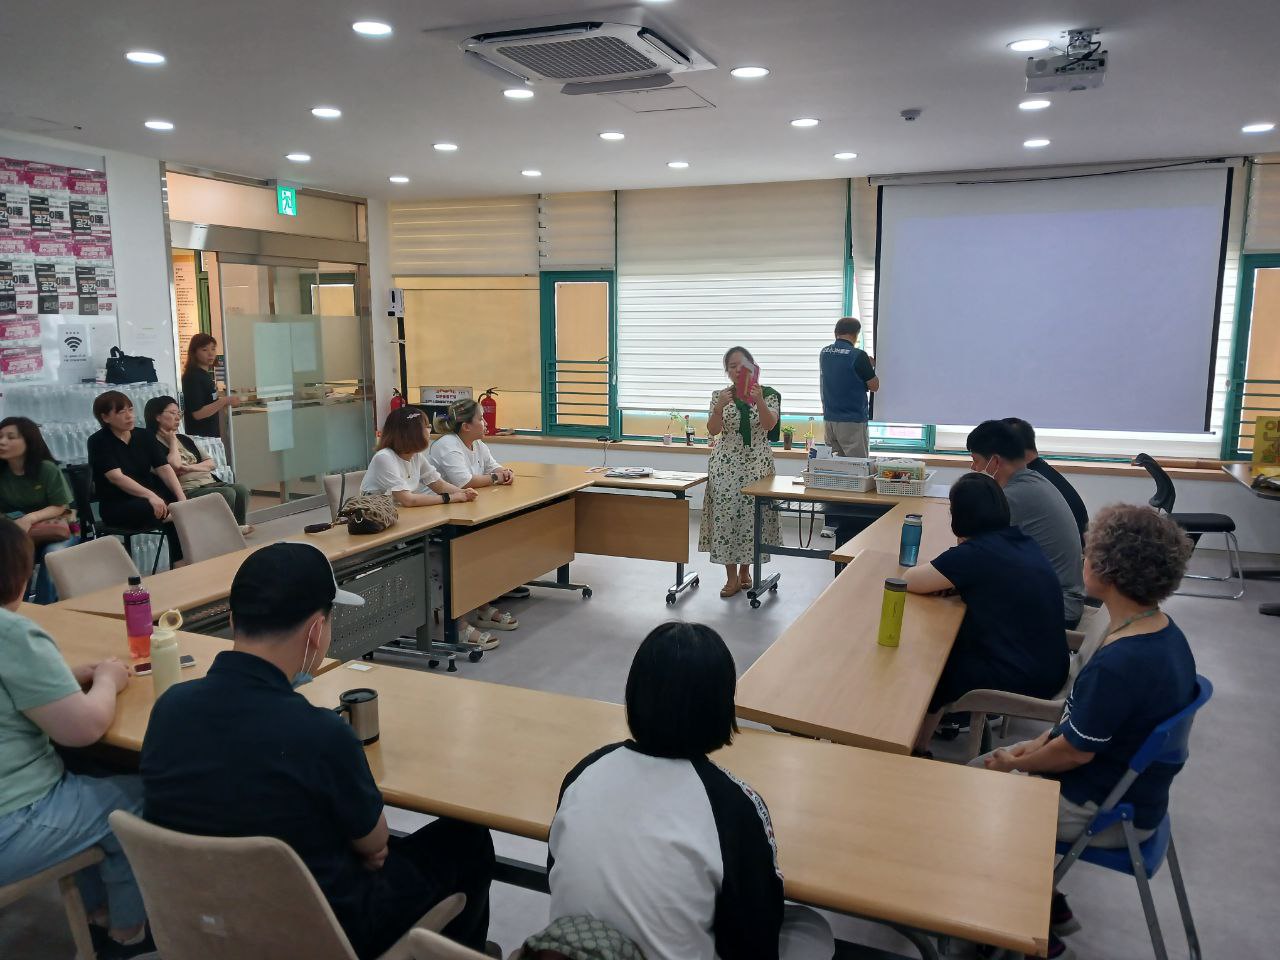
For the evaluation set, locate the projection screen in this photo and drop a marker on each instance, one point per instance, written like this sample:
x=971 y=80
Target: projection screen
x=1085 y=303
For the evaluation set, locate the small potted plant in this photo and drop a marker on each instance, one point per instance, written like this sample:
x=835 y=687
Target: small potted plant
x=788 y=436
x=673 y=423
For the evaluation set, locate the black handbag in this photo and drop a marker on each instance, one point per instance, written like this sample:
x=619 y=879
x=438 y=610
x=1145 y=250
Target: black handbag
x=122 y=368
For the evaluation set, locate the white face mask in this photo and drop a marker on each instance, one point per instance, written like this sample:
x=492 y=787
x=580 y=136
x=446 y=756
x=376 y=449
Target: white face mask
x=995 y=468
x=304 y=675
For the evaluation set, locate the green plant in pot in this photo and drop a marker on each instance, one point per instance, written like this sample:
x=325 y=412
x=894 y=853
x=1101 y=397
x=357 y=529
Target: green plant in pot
x=788 y=437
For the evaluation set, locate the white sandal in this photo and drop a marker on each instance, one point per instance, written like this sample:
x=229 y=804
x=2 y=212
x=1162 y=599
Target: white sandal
x=495 y=619
x=479 y=639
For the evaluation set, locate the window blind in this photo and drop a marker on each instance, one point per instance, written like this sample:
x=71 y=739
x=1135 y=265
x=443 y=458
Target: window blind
x=496 y=236
x=701 y=269
x=576 y=230
x=1262 y=228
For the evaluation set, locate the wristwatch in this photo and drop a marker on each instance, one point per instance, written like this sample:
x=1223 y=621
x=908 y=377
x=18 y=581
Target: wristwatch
x=447 y=496
x=494 y=477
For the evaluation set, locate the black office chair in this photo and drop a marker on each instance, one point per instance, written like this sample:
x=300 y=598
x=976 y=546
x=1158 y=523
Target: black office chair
x=1196 y=525
x=81 y=481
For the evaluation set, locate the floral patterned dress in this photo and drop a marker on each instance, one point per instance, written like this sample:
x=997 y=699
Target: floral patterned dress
x=728 y=517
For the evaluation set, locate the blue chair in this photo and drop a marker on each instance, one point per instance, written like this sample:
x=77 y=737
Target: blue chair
x=1167 y=744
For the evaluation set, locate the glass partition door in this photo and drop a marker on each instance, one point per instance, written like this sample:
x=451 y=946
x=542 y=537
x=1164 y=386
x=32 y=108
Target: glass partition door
x=297 y=358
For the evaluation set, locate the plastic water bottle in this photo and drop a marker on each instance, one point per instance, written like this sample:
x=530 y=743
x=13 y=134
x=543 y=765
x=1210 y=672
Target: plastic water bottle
x=137 y=619
x=891 y=609
x=909 y=547
x=165 y=661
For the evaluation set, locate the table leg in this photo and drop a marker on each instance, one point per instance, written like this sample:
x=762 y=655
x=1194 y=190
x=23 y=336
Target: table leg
x=562 y=582
x=760 y=585
x=682 y=583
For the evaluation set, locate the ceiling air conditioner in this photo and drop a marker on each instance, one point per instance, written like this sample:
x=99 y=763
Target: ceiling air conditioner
x=586 y=56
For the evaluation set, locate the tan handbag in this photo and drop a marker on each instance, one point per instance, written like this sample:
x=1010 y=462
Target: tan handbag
x=369 y=513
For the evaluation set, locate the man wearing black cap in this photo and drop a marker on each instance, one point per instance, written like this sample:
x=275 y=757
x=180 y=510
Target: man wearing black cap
x=238 y=753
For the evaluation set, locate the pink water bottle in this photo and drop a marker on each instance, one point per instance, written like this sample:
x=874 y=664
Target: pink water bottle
x=137 y=619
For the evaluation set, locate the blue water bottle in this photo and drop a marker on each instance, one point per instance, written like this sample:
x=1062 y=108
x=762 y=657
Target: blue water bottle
x=909 y=549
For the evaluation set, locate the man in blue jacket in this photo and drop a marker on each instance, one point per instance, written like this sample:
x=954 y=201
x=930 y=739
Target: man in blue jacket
x=847 y=376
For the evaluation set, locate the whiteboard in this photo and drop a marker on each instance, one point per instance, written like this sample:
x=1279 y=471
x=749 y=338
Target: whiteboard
x=1085 y=303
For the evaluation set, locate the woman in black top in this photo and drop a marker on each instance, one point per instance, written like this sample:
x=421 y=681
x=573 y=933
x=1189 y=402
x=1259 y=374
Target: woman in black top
x=131 y=474
x=1011 y=637
x=199 y=391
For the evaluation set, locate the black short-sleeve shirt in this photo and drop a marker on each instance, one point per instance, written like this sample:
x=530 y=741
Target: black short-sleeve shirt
x=1011 y=637
x=136 y=459
x=238 y=753
x=198 y=391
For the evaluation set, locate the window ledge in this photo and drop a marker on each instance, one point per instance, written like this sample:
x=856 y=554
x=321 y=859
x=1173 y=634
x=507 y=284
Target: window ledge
x=1177 y=468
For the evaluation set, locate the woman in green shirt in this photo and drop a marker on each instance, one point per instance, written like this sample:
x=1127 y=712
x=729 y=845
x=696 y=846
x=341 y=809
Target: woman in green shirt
x=48 y=814
x=32 y=490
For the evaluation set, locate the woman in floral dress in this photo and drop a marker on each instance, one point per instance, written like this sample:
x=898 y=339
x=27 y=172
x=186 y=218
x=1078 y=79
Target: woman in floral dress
x=742 y=456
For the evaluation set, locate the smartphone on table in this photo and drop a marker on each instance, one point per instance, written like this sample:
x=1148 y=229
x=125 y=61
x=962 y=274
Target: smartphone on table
x=144 y=668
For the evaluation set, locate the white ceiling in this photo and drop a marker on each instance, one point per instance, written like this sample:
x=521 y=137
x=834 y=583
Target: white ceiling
x=242 y=75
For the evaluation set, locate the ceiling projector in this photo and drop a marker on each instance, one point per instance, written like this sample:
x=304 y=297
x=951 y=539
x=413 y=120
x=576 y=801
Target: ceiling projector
x=1080 y=67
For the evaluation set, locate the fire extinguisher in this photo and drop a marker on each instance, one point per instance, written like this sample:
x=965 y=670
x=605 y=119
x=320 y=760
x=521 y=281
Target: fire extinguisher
x=397 y=400
x=489 y=410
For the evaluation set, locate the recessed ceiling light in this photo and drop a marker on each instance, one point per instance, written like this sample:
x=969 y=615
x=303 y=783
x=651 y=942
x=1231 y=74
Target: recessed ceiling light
x=1034 y=104
x=326 y=113
x=1030 y=45
x=749 y=73
x=298 y=157
x=372 y=28
x=148 y=58
x=531 y=173
x=805 y=122
x=1258 y=128
x=398 y=179
x=162 y=125
x=678 y=164
x=518 y=93
x=1035 y=144
x=613 y=135
x=845 y=156
x=445 y=147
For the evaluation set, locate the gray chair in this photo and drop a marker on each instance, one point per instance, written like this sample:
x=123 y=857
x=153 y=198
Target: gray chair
x=339 y=487
x=240 y=898
x=206 y=528
x=65 y=875
x=980 y=704
x=90 y=566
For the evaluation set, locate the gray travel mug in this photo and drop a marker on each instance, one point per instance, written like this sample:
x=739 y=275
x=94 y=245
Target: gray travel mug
x=361 y=708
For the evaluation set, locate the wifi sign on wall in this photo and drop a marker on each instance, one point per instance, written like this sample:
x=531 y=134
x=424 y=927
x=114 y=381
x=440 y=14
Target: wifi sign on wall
x=75 y=353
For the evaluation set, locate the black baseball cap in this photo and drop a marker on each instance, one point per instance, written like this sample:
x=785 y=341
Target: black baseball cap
x=285 y=583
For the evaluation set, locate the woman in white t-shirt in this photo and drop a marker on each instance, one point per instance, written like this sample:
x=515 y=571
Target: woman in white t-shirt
x=463 y=458
x=401 y=470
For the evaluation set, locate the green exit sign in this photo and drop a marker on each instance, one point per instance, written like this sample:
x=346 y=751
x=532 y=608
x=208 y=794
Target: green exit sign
x=286 y=200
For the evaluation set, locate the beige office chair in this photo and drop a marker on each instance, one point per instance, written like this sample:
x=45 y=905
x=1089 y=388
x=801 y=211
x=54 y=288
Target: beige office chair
x=90 y=566
x=979 y=703
x=240 y=898
x=65 y=874
x=206 y=528
x=333 y=489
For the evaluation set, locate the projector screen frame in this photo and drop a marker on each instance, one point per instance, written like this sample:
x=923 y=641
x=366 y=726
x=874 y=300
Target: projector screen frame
x=1215 y=328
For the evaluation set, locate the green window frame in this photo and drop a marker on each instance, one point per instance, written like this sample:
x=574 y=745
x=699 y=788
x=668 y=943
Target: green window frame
x=551 y=426
x=1237 y=410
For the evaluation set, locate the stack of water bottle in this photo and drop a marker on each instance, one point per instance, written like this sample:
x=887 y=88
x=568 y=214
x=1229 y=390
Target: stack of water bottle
x=65 y=411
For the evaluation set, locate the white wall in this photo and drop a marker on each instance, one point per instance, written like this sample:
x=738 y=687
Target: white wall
x=1257 y=520
x=137 y=238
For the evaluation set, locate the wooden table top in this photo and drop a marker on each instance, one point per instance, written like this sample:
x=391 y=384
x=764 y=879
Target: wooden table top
x=535 y=484
x=862 y=832
x=662 y=481
x=83 y=638
x=787 y=488
x=827 y=677
x=885 y=534
x=1243 y=473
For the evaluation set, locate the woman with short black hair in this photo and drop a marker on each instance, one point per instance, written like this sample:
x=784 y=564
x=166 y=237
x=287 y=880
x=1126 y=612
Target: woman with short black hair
x=1011 y=637
x=35 y=495
x=657 y=841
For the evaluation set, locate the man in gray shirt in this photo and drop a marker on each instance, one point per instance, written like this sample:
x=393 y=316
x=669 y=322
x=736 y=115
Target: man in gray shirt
x=1035 y=505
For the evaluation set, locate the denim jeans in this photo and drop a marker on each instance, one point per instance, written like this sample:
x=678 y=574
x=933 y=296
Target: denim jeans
x=71 y=818
x=45 y=591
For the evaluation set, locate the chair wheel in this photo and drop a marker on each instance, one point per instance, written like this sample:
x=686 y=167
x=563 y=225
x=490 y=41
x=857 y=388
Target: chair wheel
x=586 y=593
x=694 y=583
x=774 y=588
x=671 y=598
x=474 y=656
x=433 y=664
x=755 y=604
